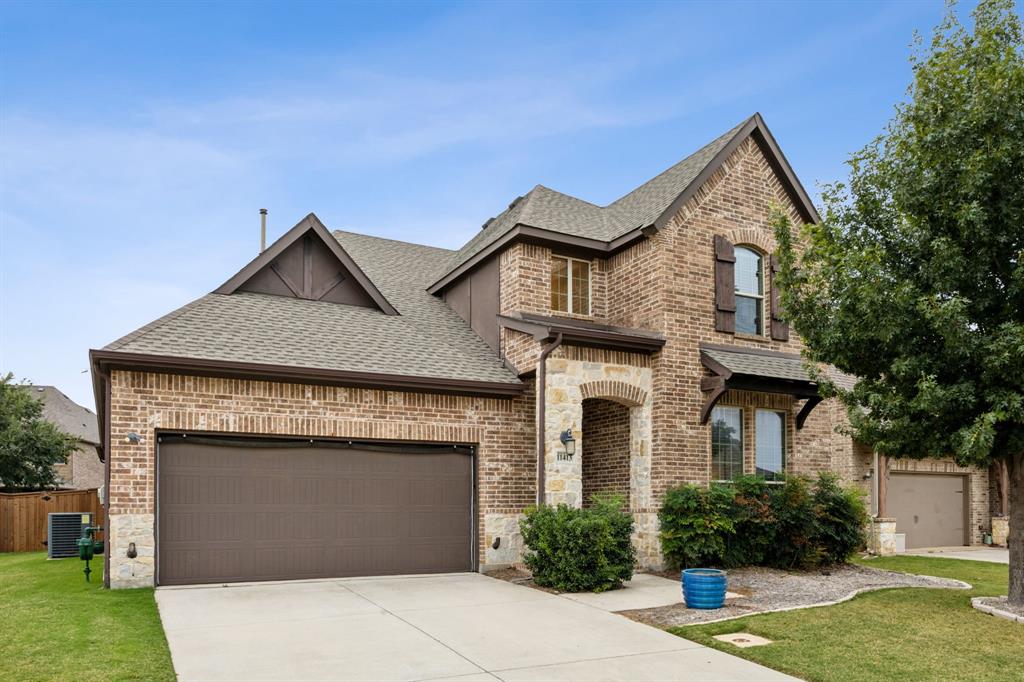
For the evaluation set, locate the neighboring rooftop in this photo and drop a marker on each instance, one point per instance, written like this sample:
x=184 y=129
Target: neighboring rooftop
x=426 y=339
x=69 y=416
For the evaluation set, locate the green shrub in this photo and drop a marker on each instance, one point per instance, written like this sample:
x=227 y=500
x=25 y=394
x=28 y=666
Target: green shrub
x=841 y=519
x=794 y=544
x=749 y=522
x=695 y=523
x=754 y=521
x=580 y=550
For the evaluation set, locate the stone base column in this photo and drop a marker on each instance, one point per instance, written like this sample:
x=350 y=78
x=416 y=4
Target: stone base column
x=122 y=530
x=646 y=541
x=882 y=536
x=1000 y=530
x=505 y=529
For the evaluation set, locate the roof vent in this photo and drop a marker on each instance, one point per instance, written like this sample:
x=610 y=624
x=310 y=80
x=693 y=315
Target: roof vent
x=487 y=223
x=515 y=201
x=263 y=230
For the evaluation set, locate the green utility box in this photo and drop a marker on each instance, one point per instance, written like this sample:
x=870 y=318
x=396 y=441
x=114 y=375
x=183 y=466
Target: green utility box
x=88 y=547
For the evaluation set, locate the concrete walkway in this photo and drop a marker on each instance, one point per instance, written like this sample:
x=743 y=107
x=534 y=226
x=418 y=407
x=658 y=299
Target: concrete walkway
x=463 y=627
x=998 y=555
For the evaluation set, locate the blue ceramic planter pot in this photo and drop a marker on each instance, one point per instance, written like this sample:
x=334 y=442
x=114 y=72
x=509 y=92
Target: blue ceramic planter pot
x=704 y=588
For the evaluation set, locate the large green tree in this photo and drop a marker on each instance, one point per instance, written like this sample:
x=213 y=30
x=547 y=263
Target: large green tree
x=29 y=445
x=914 y=279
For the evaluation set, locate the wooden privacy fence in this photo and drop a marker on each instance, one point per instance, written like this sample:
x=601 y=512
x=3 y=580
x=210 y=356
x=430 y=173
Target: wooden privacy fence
x=23 y=515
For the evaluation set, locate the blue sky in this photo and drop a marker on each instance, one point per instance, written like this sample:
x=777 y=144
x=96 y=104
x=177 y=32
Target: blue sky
x=138 y=141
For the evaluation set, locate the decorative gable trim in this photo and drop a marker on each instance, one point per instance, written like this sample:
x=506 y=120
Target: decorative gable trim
x=307 y=233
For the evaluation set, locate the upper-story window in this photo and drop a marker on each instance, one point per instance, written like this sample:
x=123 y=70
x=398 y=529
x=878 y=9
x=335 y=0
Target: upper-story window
x=570 y=285
x=749 y=291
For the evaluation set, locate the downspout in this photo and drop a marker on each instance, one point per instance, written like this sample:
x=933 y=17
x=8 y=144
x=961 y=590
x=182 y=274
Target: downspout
x=105 y=437
x=875 y=485
x=542 y=374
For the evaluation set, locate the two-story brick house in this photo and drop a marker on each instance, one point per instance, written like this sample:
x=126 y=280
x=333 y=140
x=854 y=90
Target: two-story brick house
x=349 y=405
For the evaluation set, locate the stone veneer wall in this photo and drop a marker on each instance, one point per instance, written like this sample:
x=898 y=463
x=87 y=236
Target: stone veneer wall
x=502 y=429
x=578 y=373
x=605 y=430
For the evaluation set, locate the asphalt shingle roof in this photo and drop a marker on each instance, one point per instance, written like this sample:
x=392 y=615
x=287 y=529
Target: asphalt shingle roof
x=772 y=365
x=69 y=416
x=427 y=339
x=547 y=209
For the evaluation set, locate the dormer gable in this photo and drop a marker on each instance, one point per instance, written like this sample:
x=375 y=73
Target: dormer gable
x=308 y=262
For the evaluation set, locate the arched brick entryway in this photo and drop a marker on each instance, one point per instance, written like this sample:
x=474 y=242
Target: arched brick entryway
x=606 y=457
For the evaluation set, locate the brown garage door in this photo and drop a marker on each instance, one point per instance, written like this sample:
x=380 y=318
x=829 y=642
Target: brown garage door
x=929 y=508
x=241 y=510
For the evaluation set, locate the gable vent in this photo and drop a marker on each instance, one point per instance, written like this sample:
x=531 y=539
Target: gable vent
x=62 y=532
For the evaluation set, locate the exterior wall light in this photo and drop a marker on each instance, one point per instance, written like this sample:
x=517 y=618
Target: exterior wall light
x=568 y=444
x=134 y=438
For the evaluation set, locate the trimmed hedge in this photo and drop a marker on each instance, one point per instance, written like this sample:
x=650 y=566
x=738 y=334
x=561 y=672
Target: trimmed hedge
x=579 y=550
x=749 y=522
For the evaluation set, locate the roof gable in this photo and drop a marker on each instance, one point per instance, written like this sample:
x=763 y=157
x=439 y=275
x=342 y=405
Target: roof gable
x=544 y=214
x=307 y=262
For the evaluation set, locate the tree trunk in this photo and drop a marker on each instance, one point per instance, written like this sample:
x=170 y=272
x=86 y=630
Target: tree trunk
x=1015 y=464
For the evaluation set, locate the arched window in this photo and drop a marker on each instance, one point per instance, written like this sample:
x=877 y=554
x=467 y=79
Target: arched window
x=749 y=291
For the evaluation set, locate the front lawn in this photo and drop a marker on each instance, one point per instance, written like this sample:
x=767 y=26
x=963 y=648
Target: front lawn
x=55 y=626
x=900 y=634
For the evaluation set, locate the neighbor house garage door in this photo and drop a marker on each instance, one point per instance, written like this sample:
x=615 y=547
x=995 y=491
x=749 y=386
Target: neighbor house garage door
x=244 y=510
x=929 y=508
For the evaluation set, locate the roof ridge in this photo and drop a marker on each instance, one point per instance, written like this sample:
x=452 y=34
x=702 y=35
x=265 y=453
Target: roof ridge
x=729 y=133
x=388 y=239
x=571 y=196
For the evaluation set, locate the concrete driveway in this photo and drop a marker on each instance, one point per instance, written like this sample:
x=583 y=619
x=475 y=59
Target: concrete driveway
x=463 y=627
x=996 y=555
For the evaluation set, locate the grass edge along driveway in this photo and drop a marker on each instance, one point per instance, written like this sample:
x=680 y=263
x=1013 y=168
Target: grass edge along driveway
x=55 y=626
x=906 y=633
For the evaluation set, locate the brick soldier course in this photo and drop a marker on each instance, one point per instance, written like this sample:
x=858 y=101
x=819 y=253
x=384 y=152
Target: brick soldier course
x=344 y=336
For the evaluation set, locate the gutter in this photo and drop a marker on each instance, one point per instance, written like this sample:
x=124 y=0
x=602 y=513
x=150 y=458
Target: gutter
x=105 y=360
x=542 y=376
x=103 y=414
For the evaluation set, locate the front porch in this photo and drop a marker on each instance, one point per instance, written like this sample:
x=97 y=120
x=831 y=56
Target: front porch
x=603 y=400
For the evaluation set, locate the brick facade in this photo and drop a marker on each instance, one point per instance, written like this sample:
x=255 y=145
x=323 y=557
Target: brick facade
x=606 y=434
x=647 y=406
x=82 y=470
x=666 y=284
x=501 y=429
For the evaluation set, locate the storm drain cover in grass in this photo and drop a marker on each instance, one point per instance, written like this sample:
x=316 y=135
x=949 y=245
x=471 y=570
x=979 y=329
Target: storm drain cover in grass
x=743 y=639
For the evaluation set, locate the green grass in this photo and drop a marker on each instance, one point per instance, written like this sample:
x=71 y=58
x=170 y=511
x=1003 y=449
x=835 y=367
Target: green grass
x=55 y=626
x=900 y=634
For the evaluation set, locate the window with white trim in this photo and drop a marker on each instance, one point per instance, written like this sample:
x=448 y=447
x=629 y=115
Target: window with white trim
x=770 y=444
x=749 y=291
x=570 y=285
x=726 y=443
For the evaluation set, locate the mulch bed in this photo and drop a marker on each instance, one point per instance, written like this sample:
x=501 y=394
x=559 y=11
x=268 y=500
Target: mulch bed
x=768 y=589
x=519 y=577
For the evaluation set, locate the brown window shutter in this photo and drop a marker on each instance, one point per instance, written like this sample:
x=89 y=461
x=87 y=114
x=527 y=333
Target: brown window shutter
x=725 y=285
x=780 y=329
